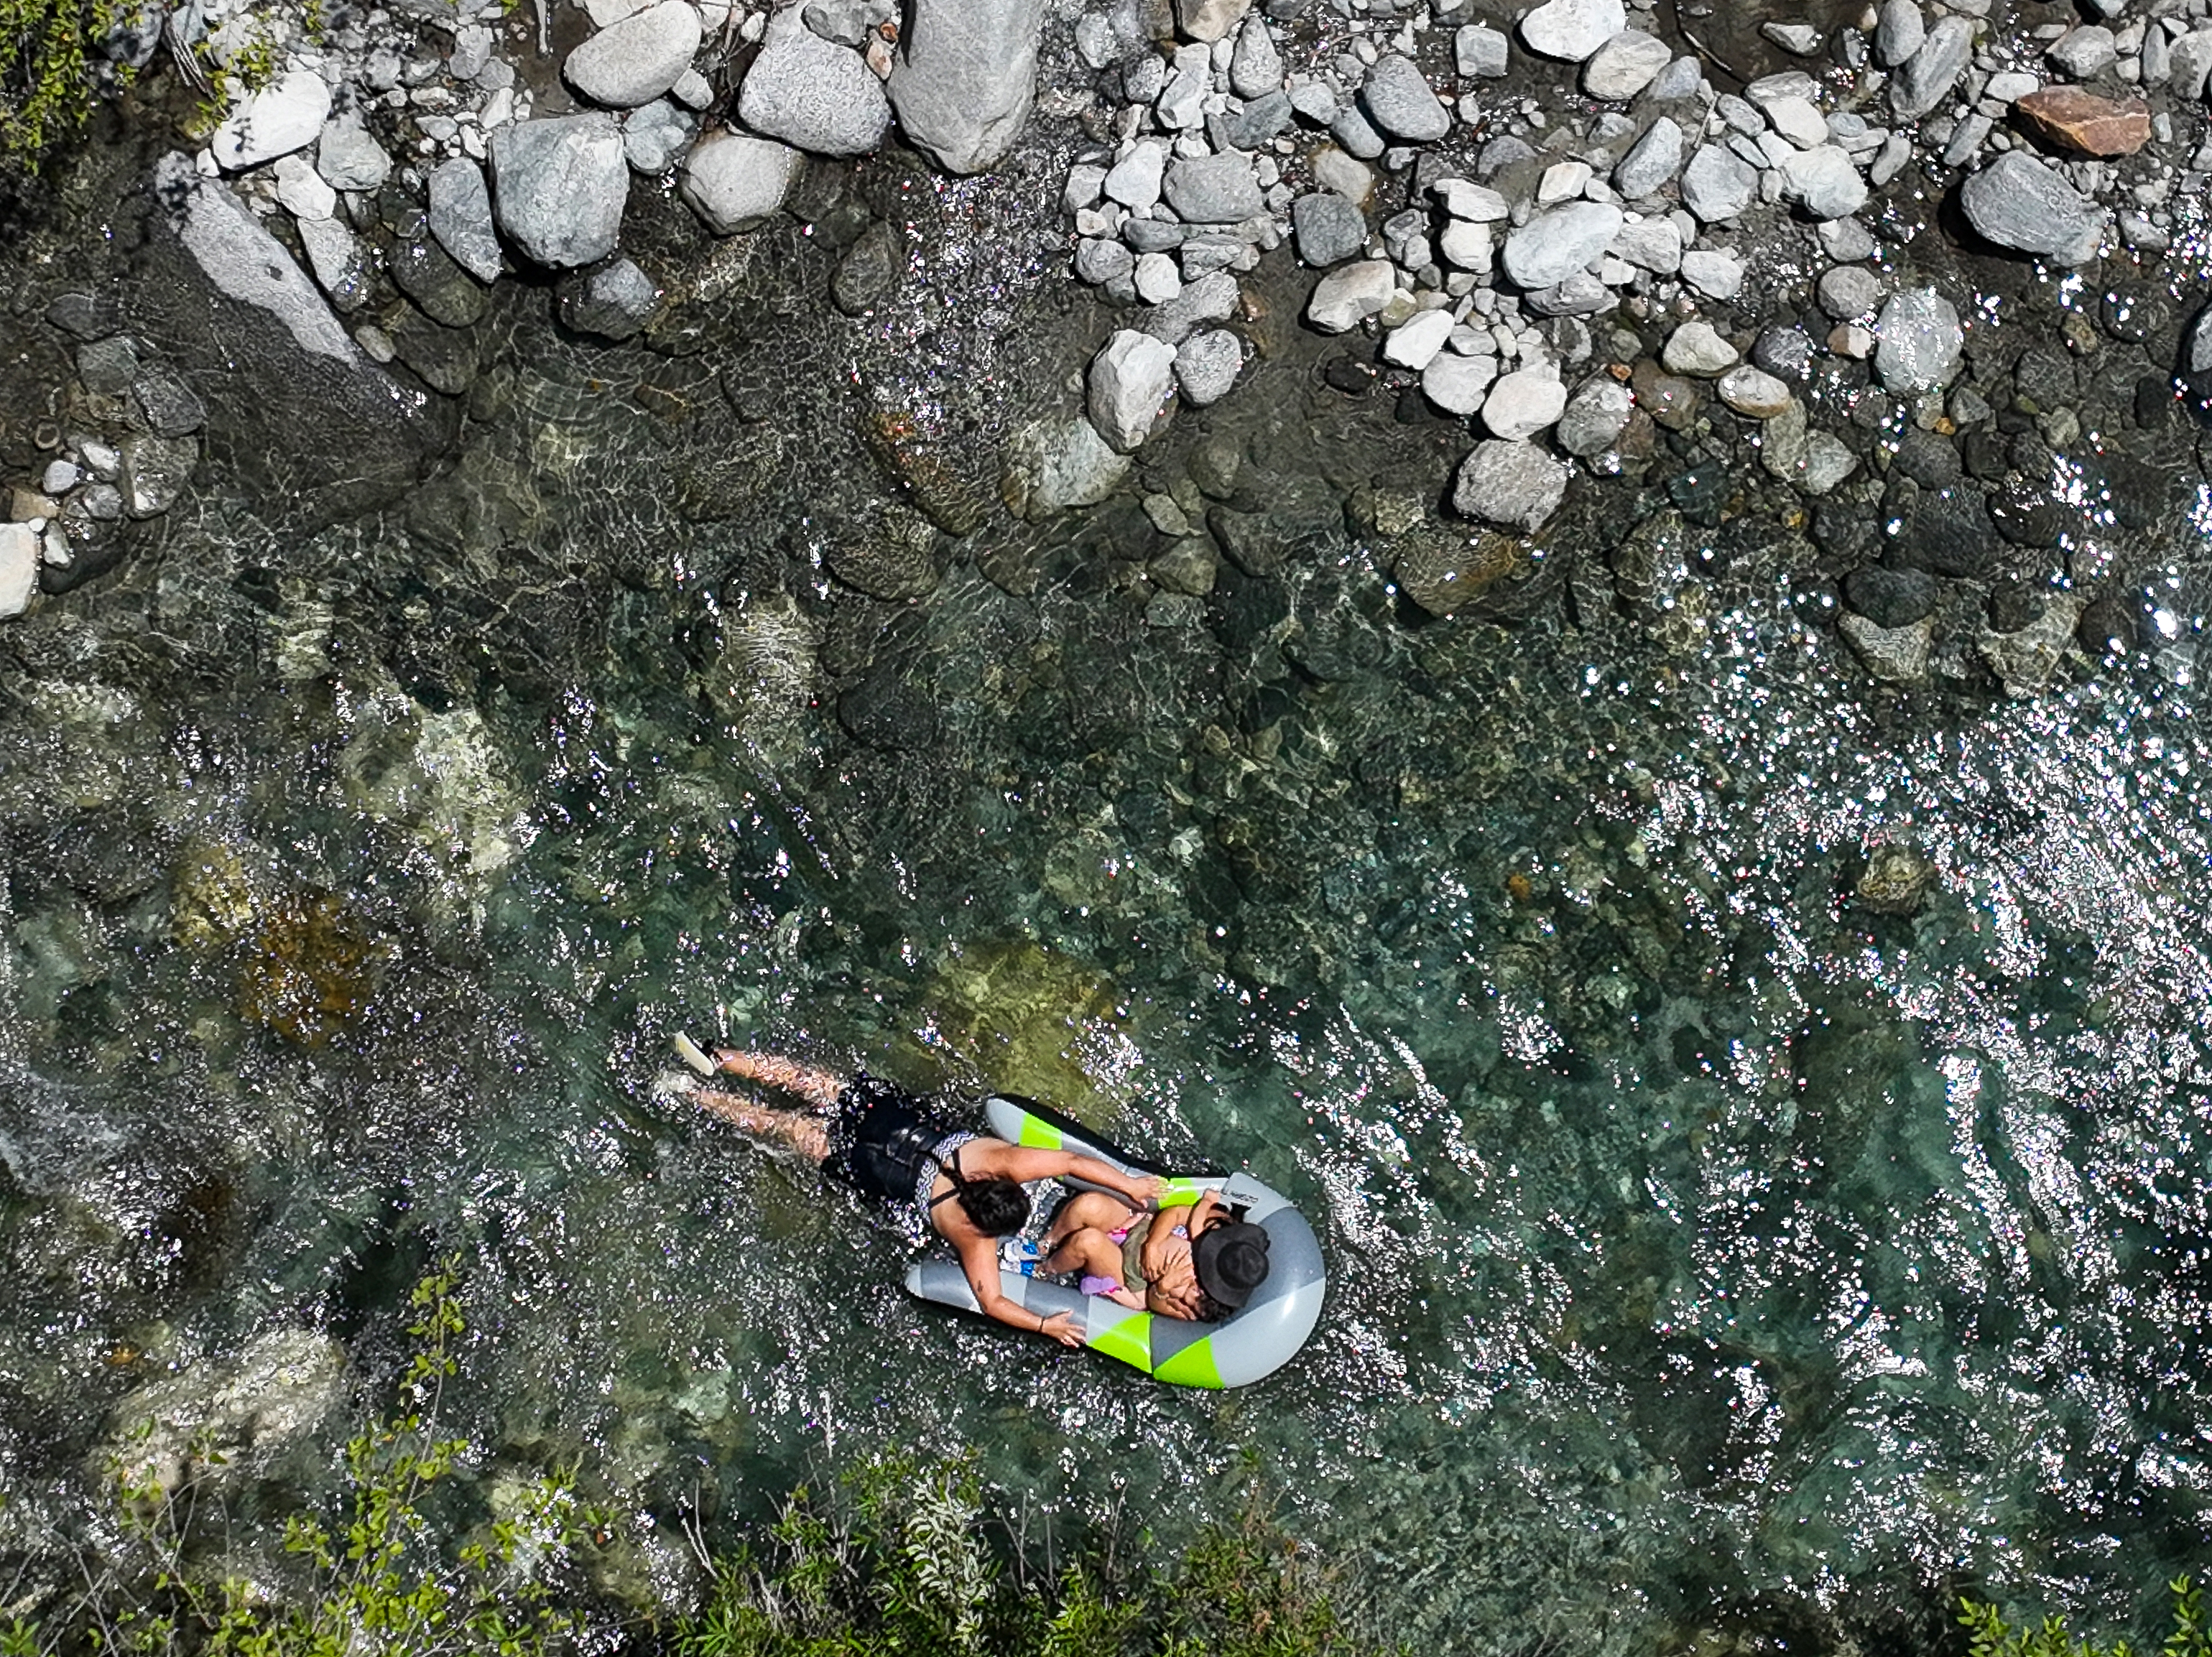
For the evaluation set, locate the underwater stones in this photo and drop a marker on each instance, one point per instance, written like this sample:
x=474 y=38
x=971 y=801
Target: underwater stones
x=965 y=78
x=171 y=408
x=422 y=269
x=636 y=60
x=613 y=300
x=733 y=180
x=243 y=260
x=1894 y=655
x=1891 y=597
x=1034 y=1021
x=915 y=453
x=2024 y=659
x=1054 y=464
x=895 y=563
x=1896 y=879
x=286 y=115
x=1443 y=570
x=439 y=776
x=210 y=897
x=2019 y=203
x=1514 y=484
x=154 y=471
x=885 y=713
x=1922 y=341
x=234 y=1413
x=1130 y=382
x=814 y=95
x=335 y=255
x=560 y=183
x=870 y=269
x=310 y=968
x=1594 y=416
x=20 y=549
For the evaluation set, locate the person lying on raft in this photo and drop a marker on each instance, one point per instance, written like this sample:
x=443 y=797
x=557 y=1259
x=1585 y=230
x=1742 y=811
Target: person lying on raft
x=892 y=1147
x=1196 y=1260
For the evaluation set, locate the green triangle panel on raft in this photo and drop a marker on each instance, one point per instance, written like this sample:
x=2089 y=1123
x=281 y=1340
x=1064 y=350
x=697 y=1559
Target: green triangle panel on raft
x=1191 y=1367
x=1129 y=1340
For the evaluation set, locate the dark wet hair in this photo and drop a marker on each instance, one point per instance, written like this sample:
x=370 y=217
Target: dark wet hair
x=996 y=1206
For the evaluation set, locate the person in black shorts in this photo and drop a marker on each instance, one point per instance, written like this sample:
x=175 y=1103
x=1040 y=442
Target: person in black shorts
x=894 y=1147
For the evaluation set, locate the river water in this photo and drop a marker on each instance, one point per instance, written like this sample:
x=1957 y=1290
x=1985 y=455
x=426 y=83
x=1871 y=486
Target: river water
x=1717 y=1254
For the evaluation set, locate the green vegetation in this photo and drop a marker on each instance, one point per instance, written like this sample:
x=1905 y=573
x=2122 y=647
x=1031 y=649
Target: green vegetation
x=894 y=1560
x=1990 y=1636
x=45 y=73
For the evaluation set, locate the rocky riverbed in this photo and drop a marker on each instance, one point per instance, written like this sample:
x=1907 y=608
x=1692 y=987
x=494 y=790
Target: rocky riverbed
x=1572 y=626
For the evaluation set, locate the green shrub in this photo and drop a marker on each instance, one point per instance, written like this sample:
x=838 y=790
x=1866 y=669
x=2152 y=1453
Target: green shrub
x=1990 y=1636
x=45 y=73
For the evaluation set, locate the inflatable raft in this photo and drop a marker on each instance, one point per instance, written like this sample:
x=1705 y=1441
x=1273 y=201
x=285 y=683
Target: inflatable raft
x=1257 y=1339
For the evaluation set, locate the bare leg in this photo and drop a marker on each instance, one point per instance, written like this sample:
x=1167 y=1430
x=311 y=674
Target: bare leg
x=1094 y=1255
x=807 y=1135
x=818 y=1087
x=1085 y=1210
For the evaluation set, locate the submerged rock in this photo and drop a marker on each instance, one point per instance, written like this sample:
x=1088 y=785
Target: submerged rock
x=1515 y=484
x=237 y=1412
x=1054 y=464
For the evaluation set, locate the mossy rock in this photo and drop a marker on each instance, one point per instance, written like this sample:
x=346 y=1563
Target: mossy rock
x=1033 y=1021
x=311 y=971
x=210 y=898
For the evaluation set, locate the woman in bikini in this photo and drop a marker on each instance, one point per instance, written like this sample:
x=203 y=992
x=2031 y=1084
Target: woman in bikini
x=893 y=1147
x=1196 y=1260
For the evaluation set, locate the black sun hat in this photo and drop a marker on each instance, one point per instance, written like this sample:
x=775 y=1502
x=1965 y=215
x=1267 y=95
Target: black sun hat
x=1231 y=1261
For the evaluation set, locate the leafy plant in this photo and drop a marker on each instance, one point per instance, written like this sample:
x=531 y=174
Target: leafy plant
x=380 y=1578
x=45 y=73
x=1990 y=1636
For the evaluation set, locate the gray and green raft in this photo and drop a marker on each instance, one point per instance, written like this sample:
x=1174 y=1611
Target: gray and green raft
x=1261 y=1335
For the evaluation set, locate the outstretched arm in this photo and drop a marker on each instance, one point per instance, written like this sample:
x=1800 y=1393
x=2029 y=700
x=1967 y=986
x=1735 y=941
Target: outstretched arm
x=1025 y=1162
x=818 y=1087
x=979 y=1260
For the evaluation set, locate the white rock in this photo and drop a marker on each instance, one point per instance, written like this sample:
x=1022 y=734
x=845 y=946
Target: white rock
x=1158 y=278
x=1625 y=64
x=1695 y=350
x=1715 y=275
x=1572 y=30
x=733 y=180
x=1054 y=464
x=1457 y=385
x=1346 y=297
x=1414 y=344
x=635 y=61
x=1476 y=203
x=19 y=568
x=1799 y=120
x=348 y=158
x=1824 y=182
x=1135 y=180
x=286 y=115
x=1131 y=380
x=1753 y=392
x=302 y=189
x=1207 y=366
x=1523 y=404
x=1467 y=246
x=1557 y=243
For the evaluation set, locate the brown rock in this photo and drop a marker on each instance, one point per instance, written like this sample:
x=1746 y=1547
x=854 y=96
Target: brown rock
x=2083 y=122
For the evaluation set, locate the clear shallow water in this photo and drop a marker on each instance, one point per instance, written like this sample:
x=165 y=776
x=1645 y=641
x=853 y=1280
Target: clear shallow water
x=1709 y=1250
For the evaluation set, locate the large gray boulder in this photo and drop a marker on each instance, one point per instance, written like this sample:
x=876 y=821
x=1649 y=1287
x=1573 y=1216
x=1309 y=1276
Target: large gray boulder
x=2018 y=202
x=635 y=61
x=295 y=415
x=733 y=180
x=560 y=185
x=965 y=78
x=815 y=95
